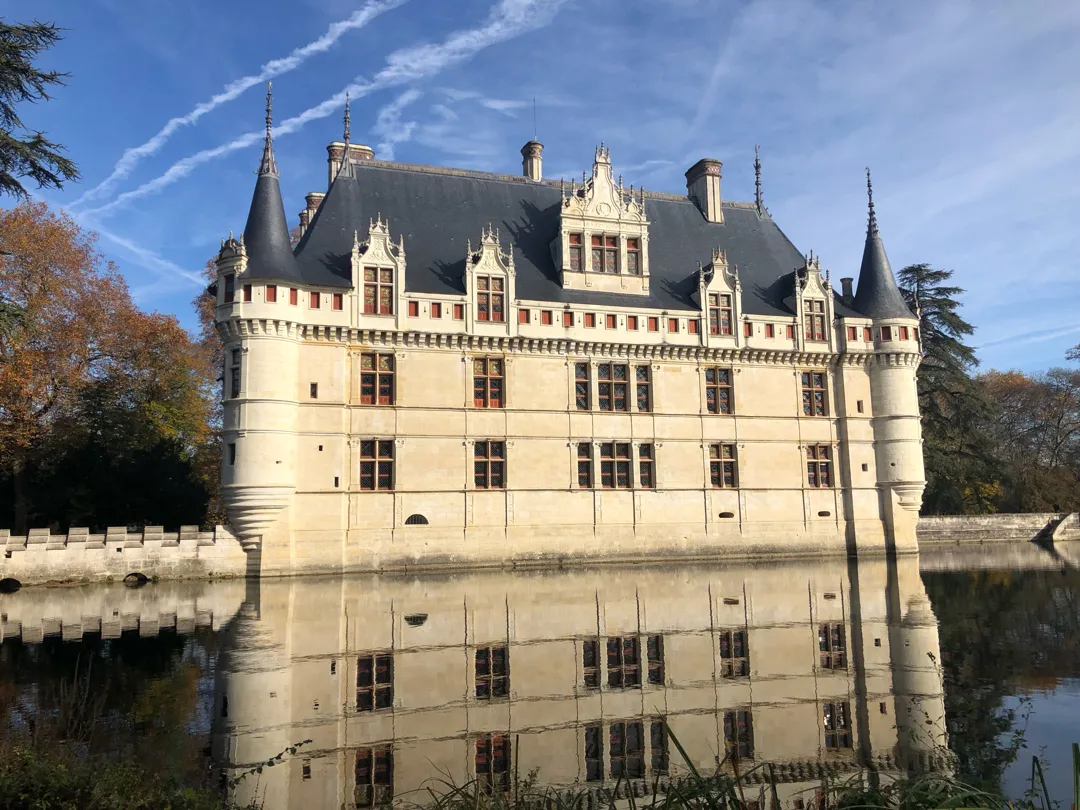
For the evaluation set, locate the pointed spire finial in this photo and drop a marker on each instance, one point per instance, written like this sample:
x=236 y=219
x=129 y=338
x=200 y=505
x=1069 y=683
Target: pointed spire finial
x=871 y=226
x=268 y=164
x=757 y=180
x=348 y=121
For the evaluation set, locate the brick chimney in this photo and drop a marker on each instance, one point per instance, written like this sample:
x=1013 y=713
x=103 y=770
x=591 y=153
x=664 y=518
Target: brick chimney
x=334 y=152
x=532 y=160
x=703 y=187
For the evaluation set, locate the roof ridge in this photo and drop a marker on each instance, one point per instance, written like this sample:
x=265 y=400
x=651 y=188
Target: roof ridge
x=449 y=171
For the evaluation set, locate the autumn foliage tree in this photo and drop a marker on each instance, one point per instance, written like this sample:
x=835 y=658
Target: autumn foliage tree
x=101 y=415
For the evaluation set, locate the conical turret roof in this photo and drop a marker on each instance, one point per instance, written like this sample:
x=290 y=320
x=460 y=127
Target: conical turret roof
x=266 y=235
x=877 y=295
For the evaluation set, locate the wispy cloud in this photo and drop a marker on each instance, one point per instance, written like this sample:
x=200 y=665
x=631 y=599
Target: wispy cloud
x=233 y=90
x=389 y=127
x=1034 y=336
x=507 y=19
x=148 y=258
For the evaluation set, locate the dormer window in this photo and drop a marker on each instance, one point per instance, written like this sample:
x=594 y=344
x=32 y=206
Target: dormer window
x=378 y=291
x=719 y=314
x=815 y=320
x=489 y=299
x=605 y=254
x=577 y=250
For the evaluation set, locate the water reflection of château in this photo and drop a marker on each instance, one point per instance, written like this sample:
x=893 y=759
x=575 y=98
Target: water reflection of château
x=822 y=670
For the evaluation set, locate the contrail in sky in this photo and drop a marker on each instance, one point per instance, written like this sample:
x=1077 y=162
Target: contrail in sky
x=276 y=67
x=507 y=19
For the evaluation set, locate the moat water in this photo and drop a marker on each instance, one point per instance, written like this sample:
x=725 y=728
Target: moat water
x=816 y=671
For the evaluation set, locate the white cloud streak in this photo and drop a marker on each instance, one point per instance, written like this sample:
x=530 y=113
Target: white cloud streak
x=507 y=19
x=233 y=90
x=388 y=125
x=150 y=260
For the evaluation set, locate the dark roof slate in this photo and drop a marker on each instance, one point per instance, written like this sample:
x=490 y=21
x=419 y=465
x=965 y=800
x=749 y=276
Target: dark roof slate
x=877 y=295
x=266 y=236
x=440 y=212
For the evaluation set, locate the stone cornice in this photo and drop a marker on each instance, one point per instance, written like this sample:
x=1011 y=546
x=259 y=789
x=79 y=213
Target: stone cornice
x=380 y=338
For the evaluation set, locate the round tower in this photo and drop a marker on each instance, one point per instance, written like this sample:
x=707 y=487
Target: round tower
x=261 y=387
x=893 y=391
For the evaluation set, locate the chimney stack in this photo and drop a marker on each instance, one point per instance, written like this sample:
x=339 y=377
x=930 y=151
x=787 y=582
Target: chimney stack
x=703 y=187
x=336 y=150
x=846 y=295
x=532 y=160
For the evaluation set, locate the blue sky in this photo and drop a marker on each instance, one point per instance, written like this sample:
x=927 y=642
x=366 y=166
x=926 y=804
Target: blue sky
x=968 y=112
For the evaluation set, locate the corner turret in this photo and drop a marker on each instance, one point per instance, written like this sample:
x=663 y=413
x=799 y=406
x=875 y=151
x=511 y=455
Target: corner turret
x=894 y=393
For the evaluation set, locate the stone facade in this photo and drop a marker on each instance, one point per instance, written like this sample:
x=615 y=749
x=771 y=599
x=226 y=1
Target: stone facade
x=818 y=670
x=579 y=393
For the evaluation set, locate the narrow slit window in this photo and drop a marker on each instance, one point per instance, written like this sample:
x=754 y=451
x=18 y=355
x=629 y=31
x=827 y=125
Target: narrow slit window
x=271 y=294
x=337 y=302
x=748 y=329
x=294 y=296
x=577 y=250
x=654 y=654
x=646 y=466
x=590 y=662
x=594 y=753
x=232 y=454
x=247 y=292
x=459 y=312
x=229 y=293
x=377 y=465
x=314 y=300
x=658 y=743
x=633 y=257
x=313 y=390
x=644 y=388
x=584 y=466
x=582 y=385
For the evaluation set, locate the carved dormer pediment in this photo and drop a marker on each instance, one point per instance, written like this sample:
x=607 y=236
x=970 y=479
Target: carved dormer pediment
x=232 y=248
x=379 y=266
x=719 y=294
x=489 y=283
x=812 y=302
x=604 y=233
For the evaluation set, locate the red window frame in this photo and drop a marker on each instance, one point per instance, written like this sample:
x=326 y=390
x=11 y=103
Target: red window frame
x=490 y=299
x=545 y=317
x=654 y=324
x=337 y=302
x=247 y=293
x=577 y=252
x=414 y=309
x=459 y=312
x=436 y=309
x=376 y=379
x=314 y=300
x=631 y=323
x=294 y=296
x=378 y=291
x=523 y=316
x=271 y=293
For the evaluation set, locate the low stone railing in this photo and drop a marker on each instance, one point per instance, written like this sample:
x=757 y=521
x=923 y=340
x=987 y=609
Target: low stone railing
x=996 y=528
x=41 y=556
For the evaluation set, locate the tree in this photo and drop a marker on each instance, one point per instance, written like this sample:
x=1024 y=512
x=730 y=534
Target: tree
x=28 y=154
x=960 y=476
x=100 y=412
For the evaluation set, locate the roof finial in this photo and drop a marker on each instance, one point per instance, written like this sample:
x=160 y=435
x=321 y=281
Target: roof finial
x=268 y=164
x=348 y=120
x=871 y=226
x=757 y=180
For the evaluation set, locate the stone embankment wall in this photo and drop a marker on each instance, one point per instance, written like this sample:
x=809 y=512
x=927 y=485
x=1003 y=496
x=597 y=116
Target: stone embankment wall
x=35 y=613
x=996 y=528
x=78 y=555
x=42 y=557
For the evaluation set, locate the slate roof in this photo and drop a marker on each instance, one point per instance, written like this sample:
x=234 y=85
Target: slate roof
x=438 y=211
x=877 y=295
x=266 y=236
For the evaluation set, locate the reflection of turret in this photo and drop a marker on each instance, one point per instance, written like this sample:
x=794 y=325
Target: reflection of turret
x=919 y=693
x=252 y=708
